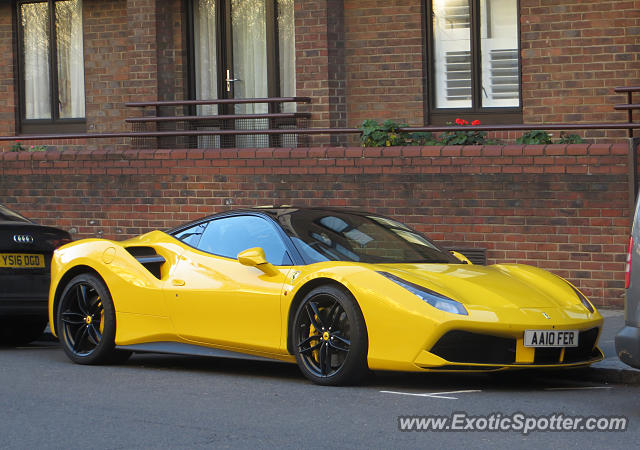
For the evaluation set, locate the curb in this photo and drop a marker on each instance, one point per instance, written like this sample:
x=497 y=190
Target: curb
x=615 y=376
x=604 y=375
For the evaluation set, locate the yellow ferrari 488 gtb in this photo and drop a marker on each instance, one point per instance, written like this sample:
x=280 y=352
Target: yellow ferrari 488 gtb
x=338 y=292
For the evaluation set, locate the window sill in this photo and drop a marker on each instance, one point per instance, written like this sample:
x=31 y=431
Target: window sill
x=71 y=126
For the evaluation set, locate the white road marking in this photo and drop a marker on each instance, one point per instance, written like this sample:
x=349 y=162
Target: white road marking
x=442 y=395
x=577 y=388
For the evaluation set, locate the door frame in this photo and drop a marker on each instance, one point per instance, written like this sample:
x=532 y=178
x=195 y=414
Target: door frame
x=224 y=51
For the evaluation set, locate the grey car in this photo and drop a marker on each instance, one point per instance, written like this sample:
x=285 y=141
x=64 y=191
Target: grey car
x=628 y=339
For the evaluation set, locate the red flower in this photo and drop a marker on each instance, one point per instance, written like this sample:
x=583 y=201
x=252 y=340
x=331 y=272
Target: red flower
x=459 y=121
x=475 y=122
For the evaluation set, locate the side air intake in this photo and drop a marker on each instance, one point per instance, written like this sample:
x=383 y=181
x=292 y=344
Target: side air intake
x=149 y=258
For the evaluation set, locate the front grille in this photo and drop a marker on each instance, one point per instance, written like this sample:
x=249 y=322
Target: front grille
x=466 y=347
x=547 y=355
x=584 y=350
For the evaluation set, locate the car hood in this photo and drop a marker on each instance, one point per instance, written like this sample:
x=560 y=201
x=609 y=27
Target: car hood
x=497 y=286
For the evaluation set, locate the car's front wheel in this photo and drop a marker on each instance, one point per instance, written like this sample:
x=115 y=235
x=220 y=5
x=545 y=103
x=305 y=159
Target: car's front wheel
x=86 y=321
x=330 y=337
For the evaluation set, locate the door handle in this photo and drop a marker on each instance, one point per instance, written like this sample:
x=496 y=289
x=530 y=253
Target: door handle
x=230 y=80
x=176 y=282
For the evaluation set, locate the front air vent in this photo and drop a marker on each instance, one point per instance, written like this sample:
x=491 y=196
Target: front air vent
x=149 y=258
x=466 y=347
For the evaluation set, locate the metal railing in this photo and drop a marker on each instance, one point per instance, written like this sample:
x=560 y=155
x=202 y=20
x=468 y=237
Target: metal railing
x=197 y=130
x=220 y=114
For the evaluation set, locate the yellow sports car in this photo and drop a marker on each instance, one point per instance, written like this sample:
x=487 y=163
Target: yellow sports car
x=339 y=292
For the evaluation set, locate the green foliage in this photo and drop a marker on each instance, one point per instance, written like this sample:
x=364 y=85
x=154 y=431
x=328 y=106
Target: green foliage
x=387 y=134
x=38 y=148
x=463 y=137
x=569 y=139
x=17 y=147
x=534 y=137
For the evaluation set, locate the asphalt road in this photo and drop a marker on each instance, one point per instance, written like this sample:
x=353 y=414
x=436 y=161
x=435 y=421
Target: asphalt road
x=159 y=401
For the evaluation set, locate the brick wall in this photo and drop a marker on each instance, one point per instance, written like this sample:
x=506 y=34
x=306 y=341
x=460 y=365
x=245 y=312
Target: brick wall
x=106 y=60
x=171 y=50
x=7 y=71
x=574 y=53
x=563 y=208
x=385 y=53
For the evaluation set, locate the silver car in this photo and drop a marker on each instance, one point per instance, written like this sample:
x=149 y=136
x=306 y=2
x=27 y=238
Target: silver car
x=628 y=339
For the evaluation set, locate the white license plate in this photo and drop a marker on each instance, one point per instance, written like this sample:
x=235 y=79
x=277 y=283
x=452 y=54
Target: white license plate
x=551 y=338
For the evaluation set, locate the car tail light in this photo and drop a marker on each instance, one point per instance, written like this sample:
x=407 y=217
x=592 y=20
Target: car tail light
x=627 y=275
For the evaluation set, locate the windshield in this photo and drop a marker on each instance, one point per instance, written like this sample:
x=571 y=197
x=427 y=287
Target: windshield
x=7 y=214
x=336 y=236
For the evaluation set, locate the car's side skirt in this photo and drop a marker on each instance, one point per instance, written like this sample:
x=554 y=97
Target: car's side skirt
x=179 y=348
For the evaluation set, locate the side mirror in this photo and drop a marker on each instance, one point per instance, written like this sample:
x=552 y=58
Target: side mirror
x=461 y=257
x=254 y=257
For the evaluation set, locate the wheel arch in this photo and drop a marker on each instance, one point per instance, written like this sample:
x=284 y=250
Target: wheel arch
x=301 y=294
x=68 y=276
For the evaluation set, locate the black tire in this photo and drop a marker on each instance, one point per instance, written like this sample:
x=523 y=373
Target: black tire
x=330 y=337
x=86 y=321
x=21 y=330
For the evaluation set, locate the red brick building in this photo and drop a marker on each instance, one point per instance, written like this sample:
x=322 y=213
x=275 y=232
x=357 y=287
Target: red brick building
x=69 y=66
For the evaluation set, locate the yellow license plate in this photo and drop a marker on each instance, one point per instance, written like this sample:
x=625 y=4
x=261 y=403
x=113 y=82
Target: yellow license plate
x=21 y=260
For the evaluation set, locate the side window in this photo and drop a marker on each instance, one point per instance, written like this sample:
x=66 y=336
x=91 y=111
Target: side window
x=231 y=235
x=191 y=236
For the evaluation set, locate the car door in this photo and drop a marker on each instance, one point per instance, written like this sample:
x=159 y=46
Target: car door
x=215 y=299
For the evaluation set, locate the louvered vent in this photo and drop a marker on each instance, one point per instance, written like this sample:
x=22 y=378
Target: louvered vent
x=458 y=73
x=457 y=14
x=477 y=256
x=504 y=74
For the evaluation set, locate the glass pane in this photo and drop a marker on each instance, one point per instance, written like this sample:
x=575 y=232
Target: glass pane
x=452 y=53
x=70 y=58
x=249 y=53
x=206 y=58
x=35 y=47
x=287 y=51
x=337 y=236
x=230 y=236
x=499 y=46
x=249 y=30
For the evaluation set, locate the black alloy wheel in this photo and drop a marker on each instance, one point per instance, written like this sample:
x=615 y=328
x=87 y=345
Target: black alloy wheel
x=86 y=322
x=330 y=337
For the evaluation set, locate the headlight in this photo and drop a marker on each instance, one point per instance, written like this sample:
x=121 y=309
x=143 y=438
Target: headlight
x=587 y=304
x=431 y=297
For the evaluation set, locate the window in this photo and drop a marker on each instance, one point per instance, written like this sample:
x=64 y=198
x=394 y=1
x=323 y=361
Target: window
x=191 y=236
x=331 y=236
x=51 y=65
x=474 y=56
x=242 y=49
x=231 y=235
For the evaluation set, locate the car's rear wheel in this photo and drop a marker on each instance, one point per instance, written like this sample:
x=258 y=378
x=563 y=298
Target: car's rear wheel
x=86 y=321
x=330 y=337
x=20 y=330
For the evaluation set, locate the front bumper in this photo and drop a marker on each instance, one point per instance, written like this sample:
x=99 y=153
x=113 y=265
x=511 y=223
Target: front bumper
x=628 y=346
x=461 y=350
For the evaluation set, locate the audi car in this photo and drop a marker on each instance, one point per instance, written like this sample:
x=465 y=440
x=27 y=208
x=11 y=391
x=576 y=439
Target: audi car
x=338 y=292
x=25 y=258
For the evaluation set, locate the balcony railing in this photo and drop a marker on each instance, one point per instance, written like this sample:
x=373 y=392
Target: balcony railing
x=185 y=128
